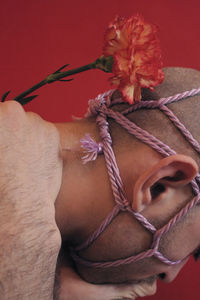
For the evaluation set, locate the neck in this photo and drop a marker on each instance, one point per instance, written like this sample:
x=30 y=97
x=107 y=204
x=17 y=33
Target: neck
x=80 y=184
x=85 y=197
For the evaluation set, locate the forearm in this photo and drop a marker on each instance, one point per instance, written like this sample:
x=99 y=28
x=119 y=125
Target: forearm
x=29 y=247
x=30 y=180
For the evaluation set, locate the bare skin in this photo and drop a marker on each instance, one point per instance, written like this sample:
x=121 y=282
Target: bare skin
x=31 y=173
x=48 y=159
x=82 y=223
x=30 y=181
x=76 y=223
x=72 y=286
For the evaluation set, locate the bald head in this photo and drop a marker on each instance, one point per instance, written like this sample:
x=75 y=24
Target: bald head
x=125 y=236
x=177 y=80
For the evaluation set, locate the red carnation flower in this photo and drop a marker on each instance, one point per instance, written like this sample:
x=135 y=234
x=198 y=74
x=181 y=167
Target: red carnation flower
x=135 y=48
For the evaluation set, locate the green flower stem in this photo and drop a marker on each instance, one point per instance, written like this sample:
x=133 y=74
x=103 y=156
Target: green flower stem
x=55 y=77
x=32 y=89
x=102 y=63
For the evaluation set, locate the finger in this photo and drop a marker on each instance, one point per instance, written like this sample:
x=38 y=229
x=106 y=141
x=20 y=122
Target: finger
x=12 y=115
x=12 y=106
x=128 y=291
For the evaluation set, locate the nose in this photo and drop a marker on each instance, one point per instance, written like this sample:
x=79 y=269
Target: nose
x=172 y=271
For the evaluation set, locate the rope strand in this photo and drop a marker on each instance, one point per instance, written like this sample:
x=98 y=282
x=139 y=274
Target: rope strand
x=101 y=106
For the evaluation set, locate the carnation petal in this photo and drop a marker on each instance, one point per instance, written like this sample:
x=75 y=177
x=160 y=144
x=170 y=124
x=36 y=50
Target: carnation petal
x=134 y=45
x=121 y=62
x=130 y=93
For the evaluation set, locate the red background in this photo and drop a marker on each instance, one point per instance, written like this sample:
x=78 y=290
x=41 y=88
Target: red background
x=39 y=36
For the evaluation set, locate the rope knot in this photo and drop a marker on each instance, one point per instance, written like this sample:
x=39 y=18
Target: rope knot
x=124 y=205
x=92 y=148
x=96 y=104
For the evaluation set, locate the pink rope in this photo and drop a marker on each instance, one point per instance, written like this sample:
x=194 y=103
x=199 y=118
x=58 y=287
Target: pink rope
x=101 y=106
x=141 y=134
x=101 y=228
x=181 y=127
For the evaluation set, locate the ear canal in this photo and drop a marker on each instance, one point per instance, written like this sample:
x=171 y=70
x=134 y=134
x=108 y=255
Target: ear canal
x=174 y=171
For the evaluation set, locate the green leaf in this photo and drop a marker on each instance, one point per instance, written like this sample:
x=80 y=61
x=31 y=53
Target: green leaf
x=4 y=96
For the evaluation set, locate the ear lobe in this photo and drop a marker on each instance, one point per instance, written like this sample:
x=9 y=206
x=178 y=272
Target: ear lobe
x=174 y=171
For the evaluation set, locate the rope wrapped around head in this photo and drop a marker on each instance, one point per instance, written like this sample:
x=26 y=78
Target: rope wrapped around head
x=101 y=108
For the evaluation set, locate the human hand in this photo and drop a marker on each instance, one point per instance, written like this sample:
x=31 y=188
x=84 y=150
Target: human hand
x=75 y=288
x=30 y=179
x=70 y=286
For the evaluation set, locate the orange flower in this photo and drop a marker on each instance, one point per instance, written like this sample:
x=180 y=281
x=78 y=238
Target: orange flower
x=135 y=48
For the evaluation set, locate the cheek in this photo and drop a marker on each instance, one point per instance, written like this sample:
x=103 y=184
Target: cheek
x=184 y=238
x=177 y=244
x=123 y=238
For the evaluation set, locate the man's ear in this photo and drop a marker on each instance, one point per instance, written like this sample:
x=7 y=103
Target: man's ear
x=173 y=171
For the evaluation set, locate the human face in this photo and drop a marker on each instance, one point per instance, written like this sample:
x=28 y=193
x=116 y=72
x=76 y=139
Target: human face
x=125 y=237
x=122 y=241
